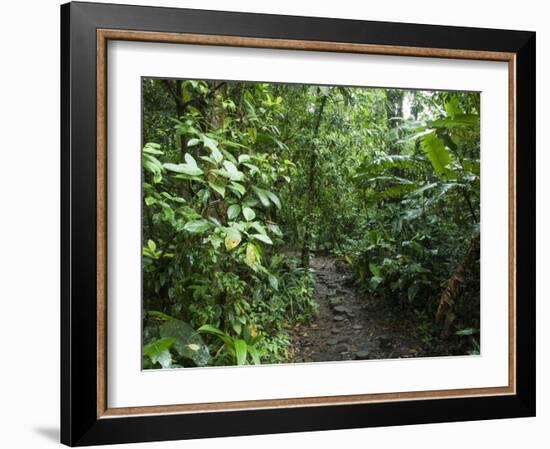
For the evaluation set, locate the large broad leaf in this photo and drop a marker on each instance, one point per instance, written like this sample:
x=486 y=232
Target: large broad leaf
x=263 y=238
x=234 y=173
x=159 y=351
x=232 y=238
x=252 y=254
x=196 y=226
x=217 y=187
x=437 y=153
x=237 y=188
x=188 y=343
x=249 y=213
x=258 y=227
x=190 y=160
x=212 y=145
x=209 y=329
x=262 y=196
x=184 y=169
x=240 y=351
x=274 y=199
x=233 y=211
x=152 y=148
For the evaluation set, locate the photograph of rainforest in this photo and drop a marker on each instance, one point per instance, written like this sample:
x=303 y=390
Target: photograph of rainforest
x=294 y=223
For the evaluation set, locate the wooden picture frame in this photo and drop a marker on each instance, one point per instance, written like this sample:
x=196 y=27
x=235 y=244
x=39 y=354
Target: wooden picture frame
x=85 y=417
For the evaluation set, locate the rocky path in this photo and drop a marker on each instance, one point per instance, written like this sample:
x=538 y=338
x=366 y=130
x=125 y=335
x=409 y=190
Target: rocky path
x=348 y=326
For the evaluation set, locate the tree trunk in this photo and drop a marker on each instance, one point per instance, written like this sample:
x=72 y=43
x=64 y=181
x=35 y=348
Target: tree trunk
x=451 y=292
x=311 y=194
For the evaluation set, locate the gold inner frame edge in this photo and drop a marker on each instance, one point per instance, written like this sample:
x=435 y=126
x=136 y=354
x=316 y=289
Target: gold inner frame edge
x=104 y=35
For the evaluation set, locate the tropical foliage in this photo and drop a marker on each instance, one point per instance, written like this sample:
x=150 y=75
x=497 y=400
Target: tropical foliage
x=243 y=182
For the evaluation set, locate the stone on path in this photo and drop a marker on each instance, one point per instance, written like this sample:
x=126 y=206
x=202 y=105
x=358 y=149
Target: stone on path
x=357 y=327
x=332 y=341
x=335 y=330
x=341 y=309
x=338 y=318
x=342 y=347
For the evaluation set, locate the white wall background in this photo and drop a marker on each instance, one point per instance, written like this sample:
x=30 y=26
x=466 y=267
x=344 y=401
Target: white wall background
x=29 y=223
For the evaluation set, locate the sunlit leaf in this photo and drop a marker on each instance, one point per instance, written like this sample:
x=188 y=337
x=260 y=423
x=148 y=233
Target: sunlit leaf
x=196 y=226
x=249 y=213
x=437 y=153
x=159 y=351
x=188 y=343
x=184 y=169
x=240 y=351
x=232 y=238
x=217 y=187
x=233 y=211
x=263 y=238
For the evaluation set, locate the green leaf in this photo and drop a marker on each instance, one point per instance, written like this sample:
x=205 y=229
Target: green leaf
x=153 y=145
x=217 y=187
x=263 y=238
x=467 y=331
x=150 y=149
x=213 y=147
x=453 y=107
x=254 y=354
x=258 y=227
x=244 y=158
x=232 y=238
x=375 y=282
x=209 y=329
x=437 y=153
x=159 y=351
x=188 y=344
x=190 y=160
x=273 y=281
x=252 y=254
x=184 y=169
x=233 y=211
x=274 y=199
x=152 y=165
x=233 y=171
x=237 y=188
x=192 y=142
x=151 y=245
x=262 y=196
x=374 y=270
x=240 y=351
x=196 y=226
x=249 y=213
x=275 y=229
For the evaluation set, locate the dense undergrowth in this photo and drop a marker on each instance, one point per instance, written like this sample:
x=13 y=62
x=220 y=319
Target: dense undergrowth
x=242 y=182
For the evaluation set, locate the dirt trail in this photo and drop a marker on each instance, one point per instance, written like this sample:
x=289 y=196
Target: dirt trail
x=348 y=326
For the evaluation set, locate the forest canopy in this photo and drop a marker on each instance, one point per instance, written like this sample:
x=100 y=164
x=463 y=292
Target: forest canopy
x=271 y=209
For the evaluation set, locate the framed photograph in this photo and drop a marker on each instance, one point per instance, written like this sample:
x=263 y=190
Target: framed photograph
x=283 y=224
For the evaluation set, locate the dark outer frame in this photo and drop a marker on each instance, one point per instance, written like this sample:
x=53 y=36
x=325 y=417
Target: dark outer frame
x=81 y=421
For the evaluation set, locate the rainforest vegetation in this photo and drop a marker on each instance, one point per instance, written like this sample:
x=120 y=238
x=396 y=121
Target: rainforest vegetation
x=298 y=223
